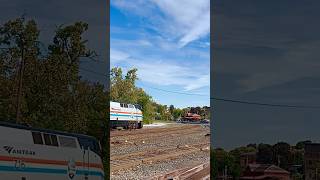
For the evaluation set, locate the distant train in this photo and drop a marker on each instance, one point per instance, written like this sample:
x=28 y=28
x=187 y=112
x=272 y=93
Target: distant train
x=28 y=153
x=125 y=115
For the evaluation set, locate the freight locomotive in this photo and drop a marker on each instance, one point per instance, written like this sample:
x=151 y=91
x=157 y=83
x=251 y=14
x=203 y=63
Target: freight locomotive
x=125 y=115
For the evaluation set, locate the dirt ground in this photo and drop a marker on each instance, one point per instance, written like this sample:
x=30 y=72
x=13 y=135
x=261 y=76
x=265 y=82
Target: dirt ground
x=157 y=150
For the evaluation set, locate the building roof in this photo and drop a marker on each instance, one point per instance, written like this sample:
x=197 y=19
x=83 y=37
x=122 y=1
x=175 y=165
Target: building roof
x=249 y=154
x=263 y=171
x=266 y=168
x=312 y=147
x=193 y=115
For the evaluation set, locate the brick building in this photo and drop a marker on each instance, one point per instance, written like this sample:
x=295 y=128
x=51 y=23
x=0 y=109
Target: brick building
x=247 y=158
x=312 y=161
x=265 y=172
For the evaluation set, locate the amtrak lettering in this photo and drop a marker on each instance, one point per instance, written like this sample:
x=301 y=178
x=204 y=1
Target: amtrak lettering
x=12 y=150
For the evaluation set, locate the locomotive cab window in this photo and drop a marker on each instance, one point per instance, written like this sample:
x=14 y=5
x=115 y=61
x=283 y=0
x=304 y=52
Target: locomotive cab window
x=47 y=139
x=54 y=140
x=37 y=138
x=67 y=142
x=50 y=140
x=137 y=106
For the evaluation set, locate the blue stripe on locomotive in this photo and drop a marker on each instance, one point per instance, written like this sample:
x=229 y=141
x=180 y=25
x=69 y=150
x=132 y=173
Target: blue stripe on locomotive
x=127 y=115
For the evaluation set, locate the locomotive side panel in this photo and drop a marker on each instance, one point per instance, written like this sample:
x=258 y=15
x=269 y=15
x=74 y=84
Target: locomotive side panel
x=57 y=158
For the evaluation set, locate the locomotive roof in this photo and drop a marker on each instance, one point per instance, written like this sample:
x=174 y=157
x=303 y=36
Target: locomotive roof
x=20 y=126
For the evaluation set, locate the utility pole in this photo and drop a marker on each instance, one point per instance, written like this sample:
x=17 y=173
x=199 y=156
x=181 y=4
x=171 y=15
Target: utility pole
x=20 y=80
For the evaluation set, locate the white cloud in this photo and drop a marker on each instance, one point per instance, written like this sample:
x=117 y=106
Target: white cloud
x=163 y=73
x=171 y=74
x=184 y=20
x=117 y=56
x=190 y=18
x=144 y=43
x=159 y=47
x=202 y=81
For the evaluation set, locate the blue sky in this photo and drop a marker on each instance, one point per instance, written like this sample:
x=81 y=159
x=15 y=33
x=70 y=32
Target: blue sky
x=169 y=43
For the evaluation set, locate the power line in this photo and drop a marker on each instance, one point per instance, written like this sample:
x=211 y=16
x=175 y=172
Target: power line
x=105 y=75
x=243 y=102
x=265 y=104
x=91 y=71
x=224 y=99
x=191 y=94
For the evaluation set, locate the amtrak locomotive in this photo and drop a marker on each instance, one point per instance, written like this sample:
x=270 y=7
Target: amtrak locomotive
x=35 y=154
x=125 y=115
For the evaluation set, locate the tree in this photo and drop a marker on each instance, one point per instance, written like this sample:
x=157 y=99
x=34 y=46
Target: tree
x=147 y=106
x=252 y=145
x=123 y=89
x=301 y=144
x=177 y=113
x=265 y=154
x=240 y=150
x=213 y=164
x=171 y=108
x=225 y=160
x=163 y=112
x=19 y=53
x=282 y=154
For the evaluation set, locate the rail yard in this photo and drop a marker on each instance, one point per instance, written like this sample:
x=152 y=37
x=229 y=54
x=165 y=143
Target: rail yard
x=176 y=151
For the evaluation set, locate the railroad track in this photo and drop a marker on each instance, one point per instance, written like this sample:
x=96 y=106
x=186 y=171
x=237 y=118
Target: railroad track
x=154 y=156
x=135 y=132
x=132 y=139
x=200 y=172
x=136 y=153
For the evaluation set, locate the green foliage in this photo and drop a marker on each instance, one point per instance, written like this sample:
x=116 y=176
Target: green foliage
x=265 y=154
x=123 y=89
x=213 y=164
x=282 y=154
x=164 y=112
x=240 y=150
x=171 y=108
x=145 y=101
x=297 y=176
x=300 y=144
x=223 y=160
x=18 y=38
x=177 y=113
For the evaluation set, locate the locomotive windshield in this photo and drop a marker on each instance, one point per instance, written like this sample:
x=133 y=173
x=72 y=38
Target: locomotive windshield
x=87 y=142
x=138 y=107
